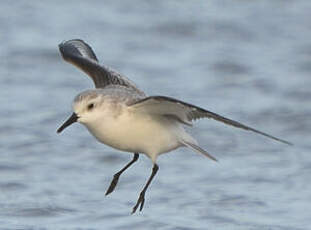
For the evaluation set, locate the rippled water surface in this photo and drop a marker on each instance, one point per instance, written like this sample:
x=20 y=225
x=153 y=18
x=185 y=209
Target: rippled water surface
x=247 y=60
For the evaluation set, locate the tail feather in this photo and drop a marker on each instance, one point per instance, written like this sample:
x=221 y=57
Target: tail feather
x=198 y=149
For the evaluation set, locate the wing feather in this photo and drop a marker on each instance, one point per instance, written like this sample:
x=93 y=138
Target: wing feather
x=185 y=112
x=80 y=54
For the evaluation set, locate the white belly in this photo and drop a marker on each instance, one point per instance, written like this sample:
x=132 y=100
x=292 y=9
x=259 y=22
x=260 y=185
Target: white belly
x=141 y=133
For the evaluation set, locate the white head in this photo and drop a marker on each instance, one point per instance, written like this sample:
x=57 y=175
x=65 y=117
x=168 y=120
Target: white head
x=89 y=107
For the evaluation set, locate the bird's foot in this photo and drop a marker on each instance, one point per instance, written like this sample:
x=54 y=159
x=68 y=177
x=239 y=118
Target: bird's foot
x=140 y=202
x=113 y=183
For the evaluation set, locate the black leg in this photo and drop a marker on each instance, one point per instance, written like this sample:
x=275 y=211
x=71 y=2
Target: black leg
x=117 y=175
x=141 y=199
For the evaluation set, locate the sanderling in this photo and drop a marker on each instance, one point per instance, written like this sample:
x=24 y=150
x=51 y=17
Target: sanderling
x=120 y=115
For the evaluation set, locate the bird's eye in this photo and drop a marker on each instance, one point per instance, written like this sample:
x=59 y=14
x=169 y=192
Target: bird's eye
x=90 y=106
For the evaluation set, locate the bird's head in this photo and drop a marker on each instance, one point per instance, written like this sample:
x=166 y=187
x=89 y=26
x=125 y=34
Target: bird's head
x=88 y=108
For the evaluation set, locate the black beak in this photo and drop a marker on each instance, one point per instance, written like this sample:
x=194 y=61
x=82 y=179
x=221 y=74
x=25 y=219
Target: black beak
x=70 y=120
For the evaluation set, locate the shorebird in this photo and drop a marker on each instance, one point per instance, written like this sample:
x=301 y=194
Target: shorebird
x=122 y=116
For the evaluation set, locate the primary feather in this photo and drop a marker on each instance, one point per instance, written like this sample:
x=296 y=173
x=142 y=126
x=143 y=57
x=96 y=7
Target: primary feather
x=80 y=54
x=186 y=113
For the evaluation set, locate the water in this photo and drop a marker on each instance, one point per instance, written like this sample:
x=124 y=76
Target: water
x=247 y=60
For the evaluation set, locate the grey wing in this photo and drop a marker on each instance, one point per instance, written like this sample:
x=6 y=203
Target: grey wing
x=80 y=54
x=186 y=113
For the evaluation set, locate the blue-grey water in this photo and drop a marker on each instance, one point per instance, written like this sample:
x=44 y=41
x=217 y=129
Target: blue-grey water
x=247 y=60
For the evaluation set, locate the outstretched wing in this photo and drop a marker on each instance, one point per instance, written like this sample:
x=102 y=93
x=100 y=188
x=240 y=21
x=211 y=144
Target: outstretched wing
x=186 y=113
x=80 y=54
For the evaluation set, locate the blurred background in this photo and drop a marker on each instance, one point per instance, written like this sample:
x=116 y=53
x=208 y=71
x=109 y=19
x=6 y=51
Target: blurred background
x=246 y=60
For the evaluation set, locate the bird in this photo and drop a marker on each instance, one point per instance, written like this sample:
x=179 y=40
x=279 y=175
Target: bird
x=118 y=114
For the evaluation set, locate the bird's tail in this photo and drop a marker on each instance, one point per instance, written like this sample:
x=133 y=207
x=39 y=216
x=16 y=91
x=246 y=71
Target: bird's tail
x=192 y=144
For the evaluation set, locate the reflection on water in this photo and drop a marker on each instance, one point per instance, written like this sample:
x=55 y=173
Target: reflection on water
x=249 y=61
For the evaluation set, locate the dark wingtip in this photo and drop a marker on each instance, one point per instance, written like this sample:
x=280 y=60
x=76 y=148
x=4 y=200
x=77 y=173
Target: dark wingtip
x=71 y=40
x=288 y=143
x=61 y=47
x=73 y=46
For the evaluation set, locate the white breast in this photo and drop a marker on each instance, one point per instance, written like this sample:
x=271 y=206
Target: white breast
x=136 y=132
